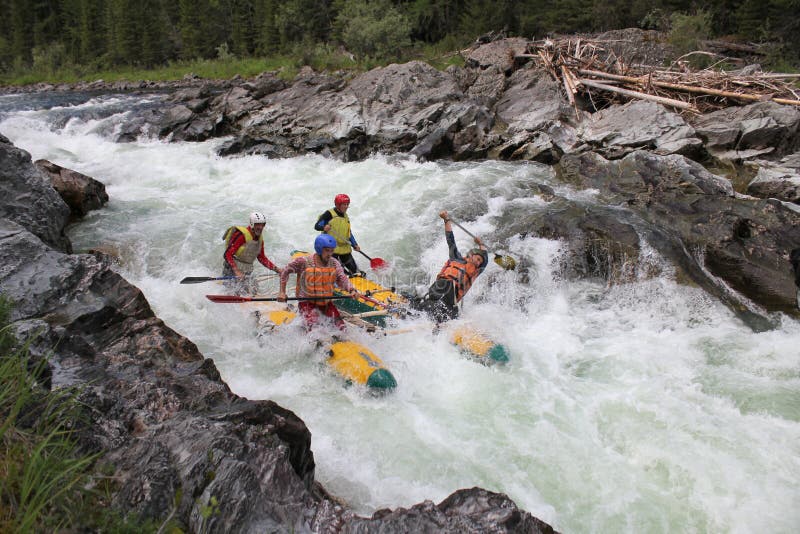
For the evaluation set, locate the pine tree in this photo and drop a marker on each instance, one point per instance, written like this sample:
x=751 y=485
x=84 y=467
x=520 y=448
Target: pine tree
x=122 y=39
x=434 y=19
x=151 y=24
x=21 y=35
x=190 y=29
x=268 y=37
x=243 y=30
x=751 y=20
x=5 y=32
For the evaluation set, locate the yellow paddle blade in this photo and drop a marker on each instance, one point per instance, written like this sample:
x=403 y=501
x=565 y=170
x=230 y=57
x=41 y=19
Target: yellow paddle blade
x=506 y=262
x=281 y=317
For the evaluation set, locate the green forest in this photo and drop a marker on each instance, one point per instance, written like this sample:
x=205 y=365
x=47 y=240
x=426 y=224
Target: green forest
x=91 y=35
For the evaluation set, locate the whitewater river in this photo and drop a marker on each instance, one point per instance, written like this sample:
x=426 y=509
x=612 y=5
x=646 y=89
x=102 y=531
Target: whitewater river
x=646 y=407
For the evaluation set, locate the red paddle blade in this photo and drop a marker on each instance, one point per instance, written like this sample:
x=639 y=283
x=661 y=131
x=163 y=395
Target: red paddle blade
x=378 y=263
x=228 y=298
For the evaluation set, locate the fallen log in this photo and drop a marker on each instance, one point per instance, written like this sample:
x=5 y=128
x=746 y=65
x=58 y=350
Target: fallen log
x=643 y=96
x=687 y=88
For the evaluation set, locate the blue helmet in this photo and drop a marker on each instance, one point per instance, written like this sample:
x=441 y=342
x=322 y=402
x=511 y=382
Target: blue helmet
x=324 y=241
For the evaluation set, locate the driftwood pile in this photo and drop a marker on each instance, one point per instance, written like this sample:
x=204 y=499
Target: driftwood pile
x=587 y=66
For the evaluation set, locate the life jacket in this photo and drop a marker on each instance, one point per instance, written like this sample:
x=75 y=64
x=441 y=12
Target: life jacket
x=246 y=255
x=316 y=281
x=340 y=230
x=462 y=273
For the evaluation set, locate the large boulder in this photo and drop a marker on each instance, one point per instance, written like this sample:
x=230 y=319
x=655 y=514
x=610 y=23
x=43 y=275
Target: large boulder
x=779 y=180
x=316 y=113
x=471 y=511
x=29 y=200
x=620 y=130
x=539 y=123
x=81 y=193
x=741 y=133
x=532 y=102
x=720 y=239
x=497 y=54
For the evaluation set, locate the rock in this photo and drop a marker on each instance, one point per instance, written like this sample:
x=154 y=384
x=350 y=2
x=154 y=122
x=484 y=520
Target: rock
x=619 y=130
x=404 y=102
x=29 y=200
x=264 y=84
x=532 y=102
x=685 y=208
x=81 y=193
x=794 y=259
x=488 y=86
x=498 y=54
x=466 y=511
x=761 y=127
x=781 y=182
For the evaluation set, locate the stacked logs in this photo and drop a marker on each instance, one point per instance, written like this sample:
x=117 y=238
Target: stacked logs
x=589 y=68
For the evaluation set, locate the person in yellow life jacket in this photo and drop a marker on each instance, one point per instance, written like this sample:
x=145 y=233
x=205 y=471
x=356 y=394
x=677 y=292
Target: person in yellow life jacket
x=454 y=280
x=243 y=246
x=336 y=223
x=316 y=276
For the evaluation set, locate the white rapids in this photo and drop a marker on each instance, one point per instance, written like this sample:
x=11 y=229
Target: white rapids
x=646 y=407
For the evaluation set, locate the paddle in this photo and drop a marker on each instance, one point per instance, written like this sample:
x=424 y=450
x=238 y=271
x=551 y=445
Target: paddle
x=199 y=279
x=506 y=262
x=374 y=263
x=225 y=299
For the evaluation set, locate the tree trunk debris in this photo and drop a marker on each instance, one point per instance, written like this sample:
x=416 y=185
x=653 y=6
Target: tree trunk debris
x=584 y=65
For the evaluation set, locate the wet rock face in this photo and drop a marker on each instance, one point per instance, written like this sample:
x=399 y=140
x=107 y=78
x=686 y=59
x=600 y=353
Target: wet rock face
x=469 y=511
x=779 y=180
x=693 y=218
x=29 y=200
x=738 y=133
x=159 y=411
x=81 y=193
x=620 y=130
x=499 y=54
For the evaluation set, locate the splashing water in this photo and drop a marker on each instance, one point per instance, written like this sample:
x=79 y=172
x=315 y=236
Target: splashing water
x=646 y=407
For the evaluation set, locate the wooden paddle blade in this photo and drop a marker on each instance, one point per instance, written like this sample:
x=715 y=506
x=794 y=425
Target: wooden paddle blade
x=378 y=264
x=229 y=298
x=506 y=262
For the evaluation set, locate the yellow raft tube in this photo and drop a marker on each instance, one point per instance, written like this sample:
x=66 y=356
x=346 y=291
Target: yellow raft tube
x=352 y=361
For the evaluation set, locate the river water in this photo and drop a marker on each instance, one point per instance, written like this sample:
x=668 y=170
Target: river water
x=645 y=407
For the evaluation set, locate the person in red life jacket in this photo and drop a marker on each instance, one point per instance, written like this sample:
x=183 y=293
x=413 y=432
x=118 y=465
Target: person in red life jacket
x=454 y=280
x=336 y=223
x=316 y=275
x=244 y=245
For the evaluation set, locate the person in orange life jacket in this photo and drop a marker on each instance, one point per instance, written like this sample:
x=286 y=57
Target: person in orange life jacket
x=336 y=222
x=455 y=278
x=243 y=246
x=316 y=275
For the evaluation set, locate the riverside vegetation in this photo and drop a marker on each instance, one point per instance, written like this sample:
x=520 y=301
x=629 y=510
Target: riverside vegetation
x=48 y=482
x=70 y=40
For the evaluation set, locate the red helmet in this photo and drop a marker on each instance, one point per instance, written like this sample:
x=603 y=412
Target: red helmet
x=341 y=198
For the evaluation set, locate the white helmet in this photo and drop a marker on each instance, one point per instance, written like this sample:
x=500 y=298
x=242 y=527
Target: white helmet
x=257 y=218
